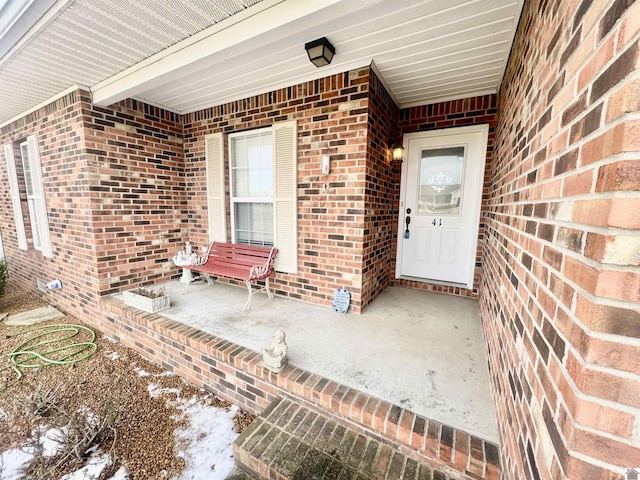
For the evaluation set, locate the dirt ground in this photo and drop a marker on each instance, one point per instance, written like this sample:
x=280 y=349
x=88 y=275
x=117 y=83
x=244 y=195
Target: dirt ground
x=141 y=433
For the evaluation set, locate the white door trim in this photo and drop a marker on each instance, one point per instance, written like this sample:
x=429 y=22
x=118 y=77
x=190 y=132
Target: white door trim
x=483 y=129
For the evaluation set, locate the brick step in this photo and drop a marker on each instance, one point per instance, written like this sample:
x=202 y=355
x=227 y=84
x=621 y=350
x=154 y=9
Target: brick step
x=290 y=441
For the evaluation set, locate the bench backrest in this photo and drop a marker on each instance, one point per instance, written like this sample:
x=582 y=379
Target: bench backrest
x=236 y=255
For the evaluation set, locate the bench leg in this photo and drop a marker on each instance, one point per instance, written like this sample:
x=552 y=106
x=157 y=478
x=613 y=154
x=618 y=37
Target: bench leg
x=246 y=305
x=266 y=286
x=185 y=288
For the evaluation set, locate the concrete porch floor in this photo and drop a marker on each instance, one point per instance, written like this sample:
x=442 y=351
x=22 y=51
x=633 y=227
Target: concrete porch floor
x=420 y=350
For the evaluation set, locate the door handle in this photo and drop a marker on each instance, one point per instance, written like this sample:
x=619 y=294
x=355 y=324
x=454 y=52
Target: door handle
x=407 y=221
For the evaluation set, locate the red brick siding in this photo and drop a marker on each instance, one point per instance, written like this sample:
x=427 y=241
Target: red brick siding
x=381 y=194
x=131 y=192
x=114 y=189
x=559 y=291
x=456 y=113
x=59 y=130
x=137 y=191
x=332 y=116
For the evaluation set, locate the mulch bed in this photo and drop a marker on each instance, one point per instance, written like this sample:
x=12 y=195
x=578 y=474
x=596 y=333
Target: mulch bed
x=144 y=434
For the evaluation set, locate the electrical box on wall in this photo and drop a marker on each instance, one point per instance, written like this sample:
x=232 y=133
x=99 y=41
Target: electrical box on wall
x=326 y=164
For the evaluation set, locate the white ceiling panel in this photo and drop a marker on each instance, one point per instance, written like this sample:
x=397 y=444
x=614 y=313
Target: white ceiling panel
x=188 y=55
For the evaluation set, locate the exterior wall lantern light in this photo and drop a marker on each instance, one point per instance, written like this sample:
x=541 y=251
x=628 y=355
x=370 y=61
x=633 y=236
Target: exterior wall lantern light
x=320 y=52
x=397 y=150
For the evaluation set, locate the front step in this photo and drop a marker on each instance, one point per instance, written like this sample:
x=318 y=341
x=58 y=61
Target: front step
x=289 y=441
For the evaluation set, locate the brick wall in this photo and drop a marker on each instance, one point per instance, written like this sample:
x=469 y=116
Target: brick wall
x=58 y=128
x=332 y=118
x=559 y=291
x=114 y=189
x=381 y=194
x=136 y=193
x=124 y=192
x=455 y=113
x=137 y=190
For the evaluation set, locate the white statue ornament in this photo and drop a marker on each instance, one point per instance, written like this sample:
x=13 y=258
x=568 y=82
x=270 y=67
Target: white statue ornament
x=275 y=358
x=186 y=257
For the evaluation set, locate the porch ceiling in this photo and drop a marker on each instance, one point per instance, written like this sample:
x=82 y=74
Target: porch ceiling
x=186 y=56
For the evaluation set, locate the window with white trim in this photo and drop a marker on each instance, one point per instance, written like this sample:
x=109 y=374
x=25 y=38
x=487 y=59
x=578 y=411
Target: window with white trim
x=251 y=167
x=32 y=198
x=263 y=190
x=24 y=169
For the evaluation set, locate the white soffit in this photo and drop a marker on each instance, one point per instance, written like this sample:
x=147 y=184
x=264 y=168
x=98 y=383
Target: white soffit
x=186 y=56
x=86 y=41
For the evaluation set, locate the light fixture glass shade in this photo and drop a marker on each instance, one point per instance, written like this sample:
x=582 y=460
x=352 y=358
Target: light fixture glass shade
x=396 y=152
x=320 y=52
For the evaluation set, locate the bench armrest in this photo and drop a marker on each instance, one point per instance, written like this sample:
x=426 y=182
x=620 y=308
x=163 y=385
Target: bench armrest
x=259 y=271
x=264 y=270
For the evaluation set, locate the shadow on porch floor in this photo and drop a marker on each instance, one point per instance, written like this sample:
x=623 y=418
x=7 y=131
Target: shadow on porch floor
x=420 y=350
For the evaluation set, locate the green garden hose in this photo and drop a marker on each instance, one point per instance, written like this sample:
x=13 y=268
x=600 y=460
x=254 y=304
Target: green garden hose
x=29 y=354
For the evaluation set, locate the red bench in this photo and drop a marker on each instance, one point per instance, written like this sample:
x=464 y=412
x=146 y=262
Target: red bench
x=242 y=262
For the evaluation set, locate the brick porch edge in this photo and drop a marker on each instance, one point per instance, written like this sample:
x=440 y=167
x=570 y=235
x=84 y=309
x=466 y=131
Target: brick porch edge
x=233 y=373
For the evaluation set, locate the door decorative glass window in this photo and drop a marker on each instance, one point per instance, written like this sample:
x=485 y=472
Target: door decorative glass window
x=440 y=187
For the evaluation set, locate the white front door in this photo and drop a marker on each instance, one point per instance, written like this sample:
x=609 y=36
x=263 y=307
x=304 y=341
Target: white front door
x=440 y=201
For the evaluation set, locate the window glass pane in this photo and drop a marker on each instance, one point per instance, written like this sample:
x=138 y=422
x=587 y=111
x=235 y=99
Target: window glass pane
x=254 y=223
x=26 y=168
x=240 y=152
x=243 y=234
x=35 y=229
x=252 y=188
x=31 y=199
x=251 y=165
x=267 y=224
x=440 y=185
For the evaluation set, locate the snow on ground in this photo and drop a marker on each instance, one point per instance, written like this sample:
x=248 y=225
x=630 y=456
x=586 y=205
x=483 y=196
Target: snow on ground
x=205 y=444
x=112 y=355
x=51 y=441
x=92 y=470
x=11 y=463
x=141 y=372
x=155 y=390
